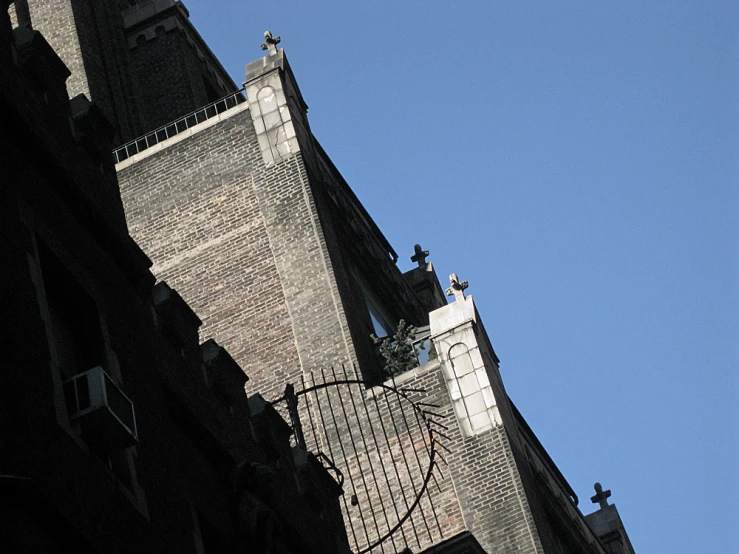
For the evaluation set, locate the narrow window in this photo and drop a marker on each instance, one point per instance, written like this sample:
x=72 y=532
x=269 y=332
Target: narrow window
x=75 y=324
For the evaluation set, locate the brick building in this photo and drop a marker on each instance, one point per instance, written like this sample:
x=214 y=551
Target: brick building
x=243 y=212
x=119 y=431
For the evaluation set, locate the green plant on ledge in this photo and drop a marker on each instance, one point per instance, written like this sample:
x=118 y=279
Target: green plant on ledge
x=398 y=352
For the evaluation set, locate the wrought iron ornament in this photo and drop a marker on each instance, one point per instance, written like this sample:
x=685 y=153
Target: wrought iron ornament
x=385 y=446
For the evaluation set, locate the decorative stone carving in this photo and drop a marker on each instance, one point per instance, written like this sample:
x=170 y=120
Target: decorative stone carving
x=270 y=43
x=601 y=496
x=419 y=256
x=456 y=287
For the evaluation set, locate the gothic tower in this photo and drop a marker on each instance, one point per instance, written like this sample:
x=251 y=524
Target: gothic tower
x=141 y=61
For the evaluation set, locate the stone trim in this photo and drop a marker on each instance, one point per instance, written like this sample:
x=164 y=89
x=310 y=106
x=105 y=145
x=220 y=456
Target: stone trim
x=182 y=136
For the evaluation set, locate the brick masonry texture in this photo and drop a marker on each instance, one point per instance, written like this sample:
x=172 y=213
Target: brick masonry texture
x=276 y=259
x=267 y=255
x=477 y=486
x=383 y=450
x=194 y=210
x=88 y=36
x=138 y=89
x=240 y=243
x=243 y=243
x=170 y=77
x=482 y=472
x=158 y=495
x=245 y=246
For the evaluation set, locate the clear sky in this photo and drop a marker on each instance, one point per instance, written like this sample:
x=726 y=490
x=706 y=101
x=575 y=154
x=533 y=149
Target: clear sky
x=576 y=162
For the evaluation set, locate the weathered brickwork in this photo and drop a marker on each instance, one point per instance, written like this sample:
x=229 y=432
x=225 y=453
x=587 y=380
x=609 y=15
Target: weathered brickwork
x=299 y=248
x=88 y=36
x=481 y=486
x=187 y=484
x=140 y=86
x=56 y=20
x=359 y=249
x=194 y=209
x=490 y=488
x=170 y=77
x=175 y=71
x=265 y=255
x=447 y=506
x=248 y=218
x=243 y=244
x=384 y=450
x=349 y=246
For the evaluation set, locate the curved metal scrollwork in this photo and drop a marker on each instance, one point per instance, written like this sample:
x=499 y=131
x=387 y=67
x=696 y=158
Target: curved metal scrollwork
x=383 y=441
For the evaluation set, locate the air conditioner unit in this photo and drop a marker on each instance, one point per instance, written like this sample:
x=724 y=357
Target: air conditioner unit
x=105 y=415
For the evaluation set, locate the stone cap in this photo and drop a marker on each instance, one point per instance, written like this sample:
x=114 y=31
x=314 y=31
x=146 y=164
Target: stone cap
x=223 y=375
x=91 y=128
x=455 y=314
x=265 y=64
x=39 y=60
x=177 y=320
x=276 y=62
x=425 y=283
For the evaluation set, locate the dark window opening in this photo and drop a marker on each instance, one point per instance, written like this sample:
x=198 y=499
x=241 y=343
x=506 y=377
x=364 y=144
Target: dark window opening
x=211 y=90
x=75 y=323
x=77 y=339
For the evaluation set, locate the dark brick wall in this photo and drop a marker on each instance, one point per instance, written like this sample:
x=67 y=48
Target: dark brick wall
x=479 y=484
x=194 y=209
x=356 y=246
x=253 y=248
x=139 y=87
x=88 y=36
x=266 y=253
x=489 y=487
x=347 y=249
x=443 y=494
x=56 y=20
x=298 y=245
x=169 y=76
x=175 y=71
x=380 y=443
x=189 y=440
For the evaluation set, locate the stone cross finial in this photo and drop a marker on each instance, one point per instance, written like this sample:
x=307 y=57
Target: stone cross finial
x=601 y=496
x=419 y=256
x=456 y=288
x=270 y=43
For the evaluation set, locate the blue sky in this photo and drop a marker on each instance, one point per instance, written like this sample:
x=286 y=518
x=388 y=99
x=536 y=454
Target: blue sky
x=576 y=163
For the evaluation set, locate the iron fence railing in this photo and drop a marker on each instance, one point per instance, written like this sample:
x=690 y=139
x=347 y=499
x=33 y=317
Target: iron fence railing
x=384 y=445
x=178 y=126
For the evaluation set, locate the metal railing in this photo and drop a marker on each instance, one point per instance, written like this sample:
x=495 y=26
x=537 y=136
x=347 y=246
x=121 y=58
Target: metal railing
x=178 y=126
x=384 y=445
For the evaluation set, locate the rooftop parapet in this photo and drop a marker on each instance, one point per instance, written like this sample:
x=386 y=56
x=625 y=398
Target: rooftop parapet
x=278 y=110
x=424 y=282
x=607 y=525
x=178 y=127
